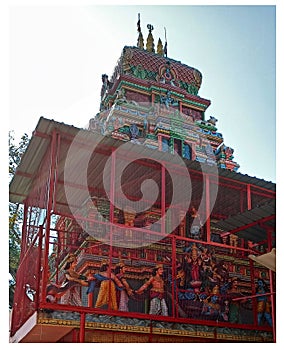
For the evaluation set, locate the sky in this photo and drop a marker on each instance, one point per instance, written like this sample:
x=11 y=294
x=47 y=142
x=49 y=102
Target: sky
x=58 y=54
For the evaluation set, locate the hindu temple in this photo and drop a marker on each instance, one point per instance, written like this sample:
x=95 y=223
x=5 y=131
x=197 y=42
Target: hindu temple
x=140 y=227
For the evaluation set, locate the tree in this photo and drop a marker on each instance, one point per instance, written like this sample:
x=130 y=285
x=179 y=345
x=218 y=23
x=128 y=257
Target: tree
x=15 y=211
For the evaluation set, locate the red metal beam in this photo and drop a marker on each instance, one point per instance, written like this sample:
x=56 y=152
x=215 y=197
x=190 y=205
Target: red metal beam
x=131 y=315
x=252 y=296
x=41 y=134
x=241 y=228
x=21 y=173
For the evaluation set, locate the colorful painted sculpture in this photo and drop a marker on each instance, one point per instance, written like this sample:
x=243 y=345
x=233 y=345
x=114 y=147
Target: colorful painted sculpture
x=122 y=293
x=263 y=303
x=234 y=306
x=158 y=304
x=211 y=305
x=69 y=291
x=107 y=284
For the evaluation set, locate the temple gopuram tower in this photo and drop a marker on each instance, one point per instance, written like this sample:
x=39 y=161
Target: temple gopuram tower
x=140 y=228
x=159 y=96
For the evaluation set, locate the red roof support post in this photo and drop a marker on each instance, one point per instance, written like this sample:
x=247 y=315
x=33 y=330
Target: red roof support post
x=19 y=295
x=253 y=289
x=40 y=234
x=249 y=196
x=207 y=207
x=163 y=199
x=24 y=232
x=112 y=186
x=82 y=327
x=269 y=245
x=174 y=286
x=111 y=219
x=51 y=191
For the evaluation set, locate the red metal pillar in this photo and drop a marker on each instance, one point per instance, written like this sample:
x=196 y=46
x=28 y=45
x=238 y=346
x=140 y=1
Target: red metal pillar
x=111 y=219
x=269 y=245
x=39 y=264
x=24 y=232
x=253 y=289
x=50 y=196
x=174 y=300
x=207 y=207
x=82 y=327
x=112 y=186
x=249 y=196
x=163 y=199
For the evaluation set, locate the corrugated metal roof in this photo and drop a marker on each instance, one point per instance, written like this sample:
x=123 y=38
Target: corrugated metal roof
x=20 y=185
x=256 y=232
x=40 y=142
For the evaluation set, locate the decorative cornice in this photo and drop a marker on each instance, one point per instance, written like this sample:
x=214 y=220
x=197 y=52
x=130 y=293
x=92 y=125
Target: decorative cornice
x=196 y=331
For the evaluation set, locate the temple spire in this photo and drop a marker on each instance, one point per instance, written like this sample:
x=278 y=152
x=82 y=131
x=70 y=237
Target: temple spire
x=166 y=44
x=160 y=49
x=140 y=40
x=150 y=40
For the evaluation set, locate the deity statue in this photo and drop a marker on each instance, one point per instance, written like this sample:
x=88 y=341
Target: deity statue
x=234 y=306
x=120 y=96
x=195 y=268
x=69 y=291
x=211 y=305
x=158 y=304
x=263 y=303
x=168 y=100
x=107 y=283
x=122 y=294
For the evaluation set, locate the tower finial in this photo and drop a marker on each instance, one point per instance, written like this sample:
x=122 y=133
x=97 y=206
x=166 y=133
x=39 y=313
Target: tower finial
x=140 y=40
x=150 y=40
x=166 y=44
x=138 y=24
x=160 y=49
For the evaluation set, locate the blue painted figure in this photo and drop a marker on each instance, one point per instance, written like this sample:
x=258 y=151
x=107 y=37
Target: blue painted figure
x=263 y=303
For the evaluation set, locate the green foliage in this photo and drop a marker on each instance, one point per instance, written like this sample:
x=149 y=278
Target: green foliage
x=15 y=211
x=16 y=152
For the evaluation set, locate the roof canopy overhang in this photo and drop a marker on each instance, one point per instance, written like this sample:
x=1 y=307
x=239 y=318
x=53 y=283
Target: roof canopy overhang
x=32 y=175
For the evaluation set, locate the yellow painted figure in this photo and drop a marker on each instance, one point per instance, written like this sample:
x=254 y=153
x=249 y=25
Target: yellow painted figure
x=107 y=292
